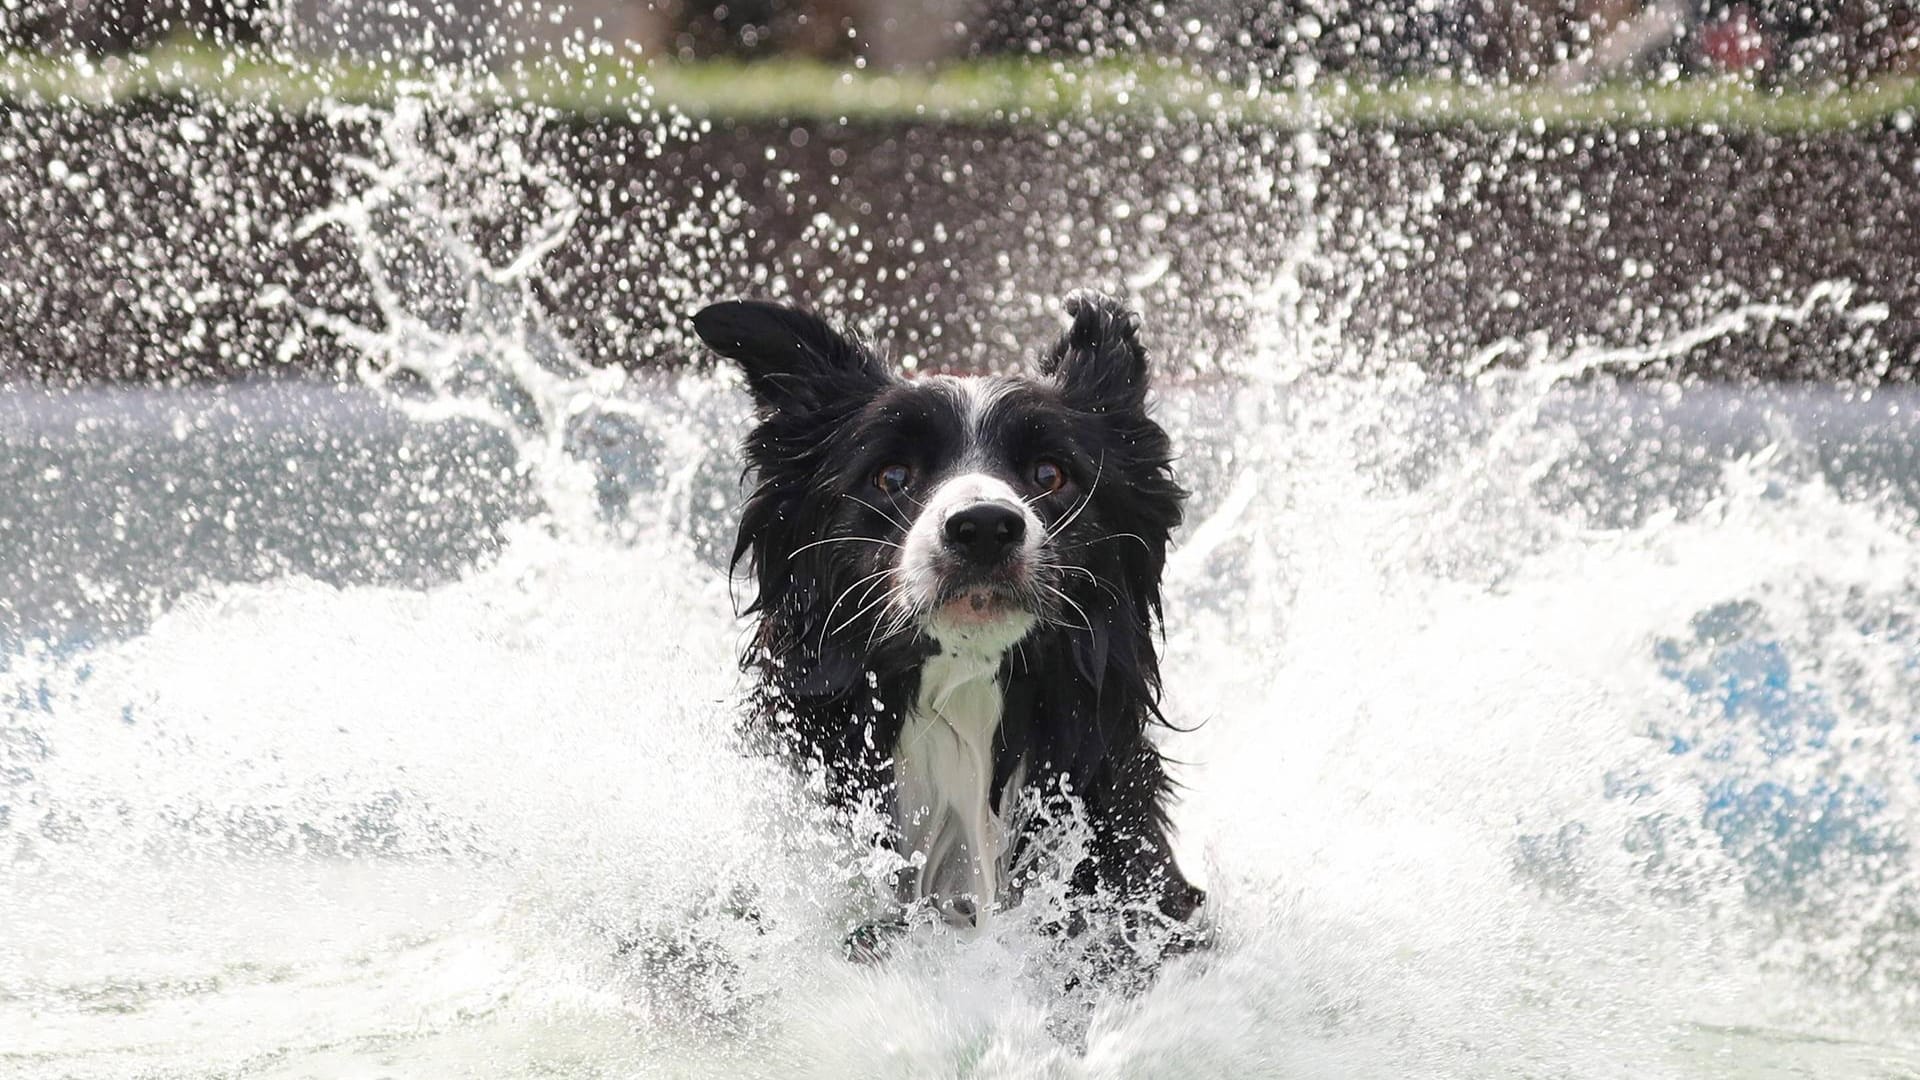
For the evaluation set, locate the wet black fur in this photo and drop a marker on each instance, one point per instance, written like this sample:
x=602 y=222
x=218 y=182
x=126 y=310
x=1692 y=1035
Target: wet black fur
x=1083 y=688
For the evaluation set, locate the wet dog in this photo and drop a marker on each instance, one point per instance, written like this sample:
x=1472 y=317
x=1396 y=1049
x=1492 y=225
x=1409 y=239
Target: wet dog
x=958 y=593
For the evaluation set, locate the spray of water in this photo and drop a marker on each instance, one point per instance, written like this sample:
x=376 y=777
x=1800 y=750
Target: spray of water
x=1535 y=733
x=461 y=337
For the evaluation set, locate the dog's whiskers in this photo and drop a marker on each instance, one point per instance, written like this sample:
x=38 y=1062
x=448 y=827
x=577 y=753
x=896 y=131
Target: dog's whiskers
x=1080 y=508
x=1109 y=536
x=1086 y=620
x=1070 y=568
x=1096 y=579
x=891 y=520
x=897 y=624
x=828 y=621
x=845 y=540
x=885 y=597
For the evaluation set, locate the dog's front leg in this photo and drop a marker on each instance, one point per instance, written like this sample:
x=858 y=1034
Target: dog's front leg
x=1133 y=853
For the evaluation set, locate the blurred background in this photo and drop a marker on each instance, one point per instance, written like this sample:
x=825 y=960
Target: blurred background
x=1491 y=171
x=1563 y=40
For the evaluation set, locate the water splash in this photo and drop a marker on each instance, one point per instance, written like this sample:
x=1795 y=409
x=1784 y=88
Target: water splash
x=462 y=337
x=1542 y=731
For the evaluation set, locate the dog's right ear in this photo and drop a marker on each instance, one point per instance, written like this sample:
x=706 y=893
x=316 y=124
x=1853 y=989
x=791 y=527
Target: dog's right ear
x=794 y=361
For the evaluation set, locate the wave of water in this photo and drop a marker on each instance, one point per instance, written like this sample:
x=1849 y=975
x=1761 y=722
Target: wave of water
x=1543 y=726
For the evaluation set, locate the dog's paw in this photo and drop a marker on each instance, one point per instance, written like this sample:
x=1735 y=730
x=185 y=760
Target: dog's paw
x=1181 y=901
x=1186 y=928
x=1190 y=936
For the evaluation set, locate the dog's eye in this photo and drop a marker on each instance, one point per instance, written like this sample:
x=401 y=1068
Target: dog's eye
x=1049 y=475
x=893 y=479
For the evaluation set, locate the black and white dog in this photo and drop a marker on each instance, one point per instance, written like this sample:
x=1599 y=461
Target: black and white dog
x=959 y=581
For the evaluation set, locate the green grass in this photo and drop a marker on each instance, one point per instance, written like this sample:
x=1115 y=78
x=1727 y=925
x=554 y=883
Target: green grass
x=995 y=91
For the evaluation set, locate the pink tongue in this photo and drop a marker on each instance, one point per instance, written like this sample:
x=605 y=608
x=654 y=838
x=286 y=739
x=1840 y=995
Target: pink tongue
x=974 y=605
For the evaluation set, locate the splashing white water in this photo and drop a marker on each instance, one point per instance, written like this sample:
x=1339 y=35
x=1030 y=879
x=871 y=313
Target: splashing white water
x=1538 y=734
x=462 y=338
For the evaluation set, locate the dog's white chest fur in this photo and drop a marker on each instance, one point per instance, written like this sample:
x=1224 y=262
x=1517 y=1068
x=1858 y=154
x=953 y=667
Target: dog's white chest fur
x=943 y=778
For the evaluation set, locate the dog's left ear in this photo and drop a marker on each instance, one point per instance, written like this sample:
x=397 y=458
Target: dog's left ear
x=794 y=361
x=1099 y=362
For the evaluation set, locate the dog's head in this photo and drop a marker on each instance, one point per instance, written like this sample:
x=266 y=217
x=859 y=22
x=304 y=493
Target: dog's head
x=964 y=513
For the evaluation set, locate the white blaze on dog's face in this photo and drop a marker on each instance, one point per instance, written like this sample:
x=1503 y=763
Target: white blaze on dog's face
x=970 y=563
x=971 y=558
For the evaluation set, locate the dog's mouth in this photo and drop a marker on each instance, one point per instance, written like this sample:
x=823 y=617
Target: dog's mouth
x=979 y=605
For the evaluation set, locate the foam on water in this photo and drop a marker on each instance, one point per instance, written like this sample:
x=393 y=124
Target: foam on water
x=1534 y=734
x=293 y=824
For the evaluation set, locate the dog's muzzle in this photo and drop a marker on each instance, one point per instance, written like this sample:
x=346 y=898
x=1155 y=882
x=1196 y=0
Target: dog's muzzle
x=969 y=560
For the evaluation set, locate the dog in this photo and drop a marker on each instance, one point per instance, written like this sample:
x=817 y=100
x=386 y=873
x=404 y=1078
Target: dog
x=958 y=591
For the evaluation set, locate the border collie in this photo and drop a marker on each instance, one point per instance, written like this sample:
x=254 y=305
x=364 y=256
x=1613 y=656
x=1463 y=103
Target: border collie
x=958 y=591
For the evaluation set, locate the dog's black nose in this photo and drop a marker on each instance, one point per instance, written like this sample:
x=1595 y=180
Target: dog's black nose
x=986 y=533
